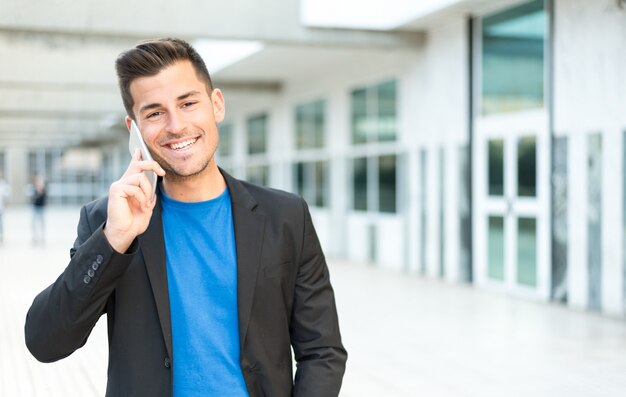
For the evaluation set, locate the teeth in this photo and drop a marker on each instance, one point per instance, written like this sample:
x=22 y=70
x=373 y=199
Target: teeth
x=184 y=144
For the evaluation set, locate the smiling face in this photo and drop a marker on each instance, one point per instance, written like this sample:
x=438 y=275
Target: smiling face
x=178 y=120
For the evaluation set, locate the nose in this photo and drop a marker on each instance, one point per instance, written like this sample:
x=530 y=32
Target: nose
x=175 y=123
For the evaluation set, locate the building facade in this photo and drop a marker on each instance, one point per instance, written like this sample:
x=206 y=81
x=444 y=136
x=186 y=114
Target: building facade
x=491 y=153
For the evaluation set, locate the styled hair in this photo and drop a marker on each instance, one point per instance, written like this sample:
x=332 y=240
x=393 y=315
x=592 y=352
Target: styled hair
x=149 y=58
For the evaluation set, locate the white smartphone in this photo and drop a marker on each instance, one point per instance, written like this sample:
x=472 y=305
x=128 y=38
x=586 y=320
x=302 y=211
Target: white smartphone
x=136 y=142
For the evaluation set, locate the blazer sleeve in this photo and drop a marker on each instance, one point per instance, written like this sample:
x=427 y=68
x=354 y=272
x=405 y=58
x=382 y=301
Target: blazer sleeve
x=319 y=352
x=62 y=316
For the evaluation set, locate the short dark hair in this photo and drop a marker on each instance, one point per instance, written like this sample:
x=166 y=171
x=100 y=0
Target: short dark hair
x=149 y=58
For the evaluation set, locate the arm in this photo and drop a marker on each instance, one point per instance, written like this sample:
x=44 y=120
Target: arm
x=320 y=355
x=63 y=315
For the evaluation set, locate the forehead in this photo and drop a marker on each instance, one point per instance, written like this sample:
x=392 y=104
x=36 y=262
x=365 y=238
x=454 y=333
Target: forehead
x=170 y=82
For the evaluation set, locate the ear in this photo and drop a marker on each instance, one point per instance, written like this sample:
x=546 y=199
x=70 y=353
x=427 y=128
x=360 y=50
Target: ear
x=128 y=120
x=218 y=105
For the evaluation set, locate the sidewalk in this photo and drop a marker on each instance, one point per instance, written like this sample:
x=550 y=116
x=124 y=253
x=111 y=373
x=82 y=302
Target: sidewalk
x=405 y=336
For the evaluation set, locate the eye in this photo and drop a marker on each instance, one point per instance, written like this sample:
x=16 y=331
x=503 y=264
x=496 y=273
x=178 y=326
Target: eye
x=188 y=104
x=153 y=115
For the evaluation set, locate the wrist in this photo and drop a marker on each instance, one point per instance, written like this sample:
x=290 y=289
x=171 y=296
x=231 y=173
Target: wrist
x=120 y=242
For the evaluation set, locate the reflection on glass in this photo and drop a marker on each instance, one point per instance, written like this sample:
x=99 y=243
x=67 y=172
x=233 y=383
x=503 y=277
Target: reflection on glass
x=374 y=113
x=387 y=183
x=495 y=249
x=527 y=251
x=311 y=179
x=225 y=139
x=321 y=183
x=299 y=171
x=386 y=130
x=513 y=58
x=310 y=125
x=259 y=175
x=2 y=166
x=359 y=116
x=257 y=134
x=527 y=167
x=496 y=167
x=594 y=220
x=359 y=186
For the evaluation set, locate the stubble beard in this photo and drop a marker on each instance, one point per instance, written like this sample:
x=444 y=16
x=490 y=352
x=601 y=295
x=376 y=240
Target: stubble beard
x=175 y=175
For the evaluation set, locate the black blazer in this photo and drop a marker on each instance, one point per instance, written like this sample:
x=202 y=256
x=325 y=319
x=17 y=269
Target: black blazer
x=284 y=299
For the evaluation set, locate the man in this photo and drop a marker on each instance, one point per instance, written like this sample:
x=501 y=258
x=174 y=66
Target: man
x=208 y=286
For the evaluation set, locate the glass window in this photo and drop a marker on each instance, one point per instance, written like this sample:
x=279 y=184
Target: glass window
x=527 y=167
x=513 y=59
x=2 y=165
x=312 y=182
x=496 y=167
x=387 y=183
x=386 y=101
x=310 y=125
x=374 y=183
x=300 y=179
x=359 y=116
x=374 y=113
x=495 y=250
x=359 y=183
x=527 y=251
x=225 y=139
x=257 y=134
x=321 y=183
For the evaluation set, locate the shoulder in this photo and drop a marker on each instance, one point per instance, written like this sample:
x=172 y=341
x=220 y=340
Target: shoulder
x=266 y=200
x=276 y=201
x=267 y=195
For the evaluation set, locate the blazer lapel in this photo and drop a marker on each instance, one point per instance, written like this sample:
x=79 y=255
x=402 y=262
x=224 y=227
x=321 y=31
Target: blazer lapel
x=152 y=245
x=249 y=227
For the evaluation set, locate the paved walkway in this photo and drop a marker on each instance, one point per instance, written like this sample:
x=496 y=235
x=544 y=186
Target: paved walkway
x=406 y=336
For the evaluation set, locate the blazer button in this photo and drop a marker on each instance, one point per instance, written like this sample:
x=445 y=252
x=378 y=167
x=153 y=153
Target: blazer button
x=91 y=273
x=167 y=363
x=95 y=265
x=99 y=259
x=86 y=279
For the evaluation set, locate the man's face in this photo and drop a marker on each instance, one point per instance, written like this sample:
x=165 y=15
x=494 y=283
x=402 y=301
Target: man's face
x=177 y=118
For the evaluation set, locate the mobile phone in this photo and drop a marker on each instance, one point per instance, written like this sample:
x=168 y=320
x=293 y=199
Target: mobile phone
x=136 y=142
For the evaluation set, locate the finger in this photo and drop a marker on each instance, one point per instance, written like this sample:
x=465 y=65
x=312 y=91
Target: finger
x=140 y=180
x=151 y=165
x=133 y=193
x=134 y=159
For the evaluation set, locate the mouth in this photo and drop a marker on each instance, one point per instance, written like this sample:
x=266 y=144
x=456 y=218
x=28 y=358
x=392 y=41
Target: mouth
x=182 y=145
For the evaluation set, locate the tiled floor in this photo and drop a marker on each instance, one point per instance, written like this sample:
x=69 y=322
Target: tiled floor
x=406 y=336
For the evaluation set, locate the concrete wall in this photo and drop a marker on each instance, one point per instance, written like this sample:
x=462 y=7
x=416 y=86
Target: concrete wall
x=590 y=98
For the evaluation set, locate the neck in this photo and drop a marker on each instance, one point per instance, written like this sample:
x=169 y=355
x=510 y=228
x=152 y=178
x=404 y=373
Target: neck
x=202 y=187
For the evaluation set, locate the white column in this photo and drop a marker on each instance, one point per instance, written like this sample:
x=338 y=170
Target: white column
x=612 y=228
x=577 y=272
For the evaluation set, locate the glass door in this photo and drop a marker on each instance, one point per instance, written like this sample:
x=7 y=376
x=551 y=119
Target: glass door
x=511 y=207
x=511 y=152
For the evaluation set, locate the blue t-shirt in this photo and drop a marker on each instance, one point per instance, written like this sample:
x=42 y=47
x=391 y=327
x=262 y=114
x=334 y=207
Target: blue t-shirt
x=202 y=280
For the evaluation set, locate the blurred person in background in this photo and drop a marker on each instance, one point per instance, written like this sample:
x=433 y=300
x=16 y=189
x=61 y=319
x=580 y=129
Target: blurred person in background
x=207 y=286
x=39 y=202
x=5 y=192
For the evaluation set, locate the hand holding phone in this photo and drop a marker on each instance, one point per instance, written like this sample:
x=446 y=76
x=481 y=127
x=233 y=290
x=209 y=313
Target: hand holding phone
x=136 y=142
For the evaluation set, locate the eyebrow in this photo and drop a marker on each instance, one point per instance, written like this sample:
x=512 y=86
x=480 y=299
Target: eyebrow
x=158 y=105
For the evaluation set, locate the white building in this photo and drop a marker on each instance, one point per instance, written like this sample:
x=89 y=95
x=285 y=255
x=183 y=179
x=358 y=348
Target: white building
x=475 y=141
